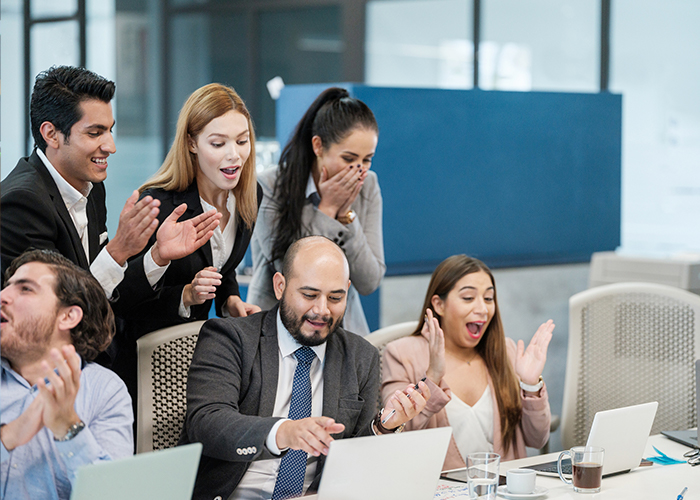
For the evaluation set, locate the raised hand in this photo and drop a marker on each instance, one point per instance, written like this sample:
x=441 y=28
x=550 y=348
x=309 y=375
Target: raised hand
x=529 y=362
x=313 y=434
x=59 y=395
x=202 y=288
x=436 y=342
x=175 y=240
x=340 y=190
x=239 y=309
x=137 y=221
x=403 y=406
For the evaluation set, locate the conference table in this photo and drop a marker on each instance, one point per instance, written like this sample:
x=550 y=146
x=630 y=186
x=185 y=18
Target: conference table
x=655 y=482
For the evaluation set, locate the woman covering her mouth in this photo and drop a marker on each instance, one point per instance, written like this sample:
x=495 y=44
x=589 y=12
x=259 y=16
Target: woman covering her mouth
x=485 y=386
x=324 y=186
x=210 y=166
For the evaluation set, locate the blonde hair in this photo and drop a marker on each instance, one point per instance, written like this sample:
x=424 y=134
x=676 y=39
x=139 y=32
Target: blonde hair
x=180 y=167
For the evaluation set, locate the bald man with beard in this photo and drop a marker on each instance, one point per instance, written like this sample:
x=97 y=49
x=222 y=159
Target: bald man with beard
x=239 y=389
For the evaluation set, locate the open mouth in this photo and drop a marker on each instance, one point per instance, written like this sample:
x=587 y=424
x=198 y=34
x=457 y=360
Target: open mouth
x=230 y=172
x=3 y=318
x=475 y=329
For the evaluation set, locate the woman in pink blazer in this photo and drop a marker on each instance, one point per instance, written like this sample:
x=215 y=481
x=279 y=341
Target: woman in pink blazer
x=483 y=385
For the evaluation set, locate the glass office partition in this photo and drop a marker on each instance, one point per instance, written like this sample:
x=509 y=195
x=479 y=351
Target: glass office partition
x=540 y=45
x=424 y=43
x=655 y=64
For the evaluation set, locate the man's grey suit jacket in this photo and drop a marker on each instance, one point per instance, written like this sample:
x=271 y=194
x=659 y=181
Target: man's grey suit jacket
x=231 y=392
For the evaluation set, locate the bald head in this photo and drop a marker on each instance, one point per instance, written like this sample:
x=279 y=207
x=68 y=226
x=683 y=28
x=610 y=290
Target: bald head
x=312 y=289
x=313 y=250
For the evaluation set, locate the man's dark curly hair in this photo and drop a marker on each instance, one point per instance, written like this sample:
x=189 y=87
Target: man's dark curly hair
x=76 y=287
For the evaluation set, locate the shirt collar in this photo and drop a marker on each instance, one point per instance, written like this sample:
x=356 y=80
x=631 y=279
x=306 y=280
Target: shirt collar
x=70 y=195
x=288 y=344
x=6 y=367
x=311 y=186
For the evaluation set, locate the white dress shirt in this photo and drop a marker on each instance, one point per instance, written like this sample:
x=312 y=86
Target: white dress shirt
x=104 y=268
x=221 y=243
x=258 y=483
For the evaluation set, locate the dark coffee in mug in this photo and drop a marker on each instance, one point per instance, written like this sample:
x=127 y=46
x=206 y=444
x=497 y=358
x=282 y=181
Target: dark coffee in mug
x=587 y=475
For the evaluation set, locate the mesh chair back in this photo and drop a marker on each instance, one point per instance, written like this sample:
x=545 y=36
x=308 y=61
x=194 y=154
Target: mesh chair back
x=380 y=338
x=164 y=358
x=631 y=343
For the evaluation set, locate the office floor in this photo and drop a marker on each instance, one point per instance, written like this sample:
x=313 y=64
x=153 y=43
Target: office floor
x=527 y=297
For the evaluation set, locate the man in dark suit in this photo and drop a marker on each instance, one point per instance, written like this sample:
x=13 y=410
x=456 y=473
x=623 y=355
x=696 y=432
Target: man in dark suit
x=55 y=198
x=243 y=383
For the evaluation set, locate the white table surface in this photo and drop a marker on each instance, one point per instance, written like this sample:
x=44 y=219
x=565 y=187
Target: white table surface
x=656 y=482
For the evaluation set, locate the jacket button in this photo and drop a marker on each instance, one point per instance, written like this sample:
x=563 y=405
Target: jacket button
x=239 y=451
x=218 y=498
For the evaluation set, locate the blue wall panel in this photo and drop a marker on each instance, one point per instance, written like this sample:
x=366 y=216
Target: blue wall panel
x=514 y=178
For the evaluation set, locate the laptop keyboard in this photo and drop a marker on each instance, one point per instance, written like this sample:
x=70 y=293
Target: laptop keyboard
x=551 y=467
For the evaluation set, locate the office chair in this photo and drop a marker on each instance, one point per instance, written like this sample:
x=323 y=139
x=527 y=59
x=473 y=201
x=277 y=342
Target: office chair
x=164 y=358
x=380 y=338
x=630 y=343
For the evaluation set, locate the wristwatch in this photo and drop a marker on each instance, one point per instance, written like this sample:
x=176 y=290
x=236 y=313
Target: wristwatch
x=532 y=388
x=384 y=430
x=347 y=218
x=73 y=431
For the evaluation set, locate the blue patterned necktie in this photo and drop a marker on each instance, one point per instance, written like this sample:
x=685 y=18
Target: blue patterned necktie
x=290 y=478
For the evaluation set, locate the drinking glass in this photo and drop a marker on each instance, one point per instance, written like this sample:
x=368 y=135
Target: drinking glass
x=482 y=475
x=587 y=468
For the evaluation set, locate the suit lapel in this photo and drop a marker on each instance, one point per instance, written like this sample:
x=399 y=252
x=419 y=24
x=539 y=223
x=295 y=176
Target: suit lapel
x=269 y=363
x=61 y=209
x=194 y=208
x=331 y=376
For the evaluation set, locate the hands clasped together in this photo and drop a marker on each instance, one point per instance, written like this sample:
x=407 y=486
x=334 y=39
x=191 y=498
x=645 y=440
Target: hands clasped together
x=54 y=406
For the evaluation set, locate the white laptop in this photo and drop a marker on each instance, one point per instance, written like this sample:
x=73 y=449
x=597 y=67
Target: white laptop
x=622 y=432
x=158 y=475
x=690 y=437
x=405 y=465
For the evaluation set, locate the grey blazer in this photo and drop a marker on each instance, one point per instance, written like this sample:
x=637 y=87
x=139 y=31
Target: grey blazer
x=361 y=240
x=231 y=392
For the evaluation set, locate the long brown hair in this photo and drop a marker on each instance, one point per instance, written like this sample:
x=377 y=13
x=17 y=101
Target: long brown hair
x=180 y=166
x=491 y=348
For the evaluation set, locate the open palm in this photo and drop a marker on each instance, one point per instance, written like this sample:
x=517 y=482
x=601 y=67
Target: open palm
x=529 y=362
x=179 y=239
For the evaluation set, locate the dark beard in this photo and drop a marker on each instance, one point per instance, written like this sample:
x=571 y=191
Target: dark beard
x=293 y=323
x=29 y=341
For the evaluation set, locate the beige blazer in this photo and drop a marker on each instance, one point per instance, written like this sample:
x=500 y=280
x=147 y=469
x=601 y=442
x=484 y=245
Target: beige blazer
x=406 y=361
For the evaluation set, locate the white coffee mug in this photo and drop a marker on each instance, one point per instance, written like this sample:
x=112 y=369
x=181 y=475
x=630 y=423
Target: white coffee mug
x=520 y=481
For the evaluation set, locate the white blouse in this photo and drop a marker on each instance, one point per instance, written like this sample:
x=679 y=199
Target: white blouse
x=472 y=426
x=221 y=241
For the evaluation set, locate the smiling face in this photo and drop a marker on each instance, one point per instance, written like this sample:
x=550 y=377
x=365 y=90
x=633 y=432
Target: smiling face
x=467 y=310
x=29 y=313
x=356 y=149
x=314 y=294
x=222 y=149
x=82 y=157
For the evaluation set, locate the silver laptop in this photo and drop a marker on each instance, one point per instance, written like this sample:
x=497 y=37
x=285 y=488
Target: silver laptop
x=405 y=465
x=622 y=432
x=689 y=437
x=159 y=475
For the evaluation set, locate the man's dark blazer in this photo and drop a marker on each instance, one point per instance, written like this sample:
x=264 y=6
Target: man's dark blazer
x=163 y=310
x=231 y=392
x=34 y=215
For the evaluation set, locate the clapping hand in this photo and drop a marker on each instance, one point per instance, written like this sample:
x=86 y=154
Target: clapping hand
x=239 y=309
x=436 y=342
x=175 y=240
x=529 y=362
x=59 y=394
